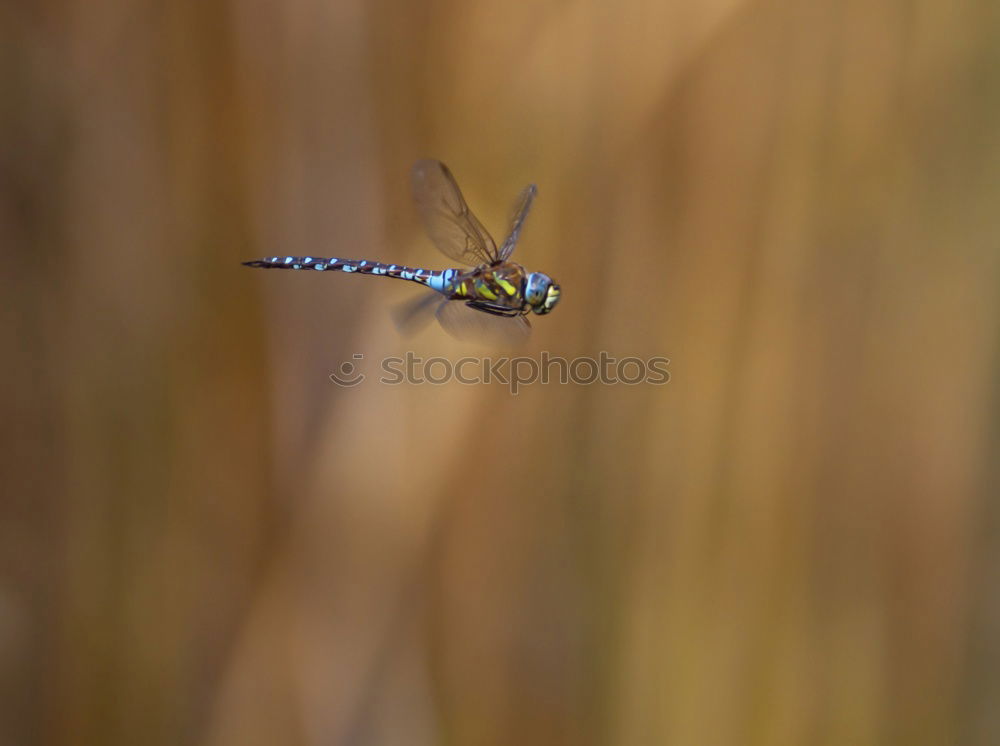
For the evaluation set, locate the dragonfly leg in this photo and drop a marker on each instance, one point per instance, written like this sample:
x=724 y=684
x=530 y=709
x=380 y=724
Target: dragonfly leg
x=490 y=308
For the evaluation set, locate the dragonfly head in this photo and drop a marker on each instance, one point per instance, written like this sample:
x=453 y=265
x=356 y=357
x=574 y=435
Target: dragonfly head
x=541 y=293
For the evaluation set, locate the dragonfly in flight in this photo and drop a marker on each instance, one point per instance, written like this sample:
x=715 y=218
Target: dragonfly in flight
x=489 y=299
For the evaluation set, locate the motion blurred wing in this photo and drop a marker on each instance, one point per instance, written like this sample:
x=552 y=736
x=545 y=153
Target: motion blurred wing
x=412 y=315
x=470 y=325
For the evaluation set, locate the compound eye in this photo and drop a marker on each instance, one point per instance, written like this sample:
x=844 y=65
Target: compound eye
x=536 y=289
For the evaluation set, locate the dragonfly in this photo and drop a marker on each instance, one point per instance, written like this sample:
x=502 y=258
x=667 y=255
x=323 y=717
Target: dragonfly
x=488 y=298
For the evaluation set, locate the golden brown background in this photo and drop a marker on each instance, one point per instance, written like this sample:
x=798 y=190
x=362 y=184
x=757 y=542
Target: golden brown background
x=796 y=541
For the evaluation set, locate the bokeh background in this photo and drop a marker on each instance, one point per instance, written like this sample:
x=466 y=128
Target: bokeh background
x=795 y=541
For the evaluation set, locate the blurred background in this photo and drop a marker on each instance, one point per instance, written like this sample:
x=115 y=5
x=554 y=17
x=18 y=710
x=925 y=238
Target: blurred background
x=796 y=541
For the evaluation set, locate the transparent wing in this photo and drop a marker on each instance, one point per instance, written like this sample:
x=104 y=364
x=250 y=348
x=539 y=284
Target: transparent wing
x=471 y=325
x=448 y=220
x=521 y=208
x=414 y=314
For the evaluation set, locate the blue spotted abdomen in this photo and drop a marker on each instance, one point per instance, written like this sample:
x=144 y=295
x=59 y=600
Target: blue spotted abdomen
x=436 y=279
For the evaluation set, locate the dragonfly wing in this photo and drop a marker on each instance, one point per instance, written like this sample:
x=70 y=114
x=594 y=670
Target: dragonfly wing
x=413 y=315
x=471 y=325
x=521 y=208
x=448 y=220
